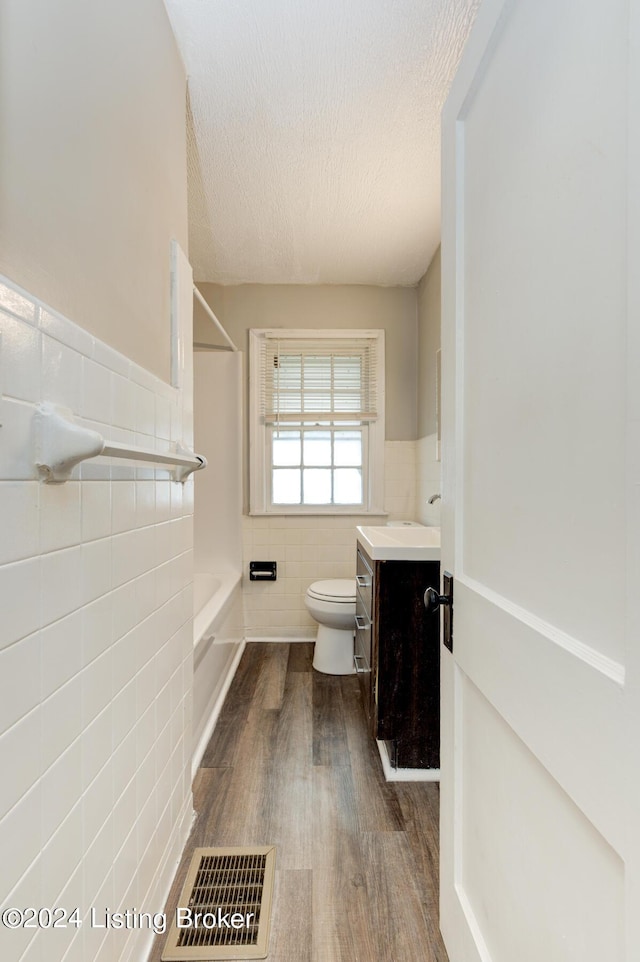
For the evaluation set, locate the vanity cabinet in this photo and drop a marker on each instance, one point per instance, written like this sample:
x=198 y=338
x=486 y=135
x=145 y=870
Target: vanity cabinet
x=397 y=657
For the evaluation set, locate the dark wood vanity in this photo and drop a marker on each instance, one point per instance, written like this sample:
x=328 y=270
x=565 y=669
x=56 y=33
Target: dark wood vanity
x=397 y=657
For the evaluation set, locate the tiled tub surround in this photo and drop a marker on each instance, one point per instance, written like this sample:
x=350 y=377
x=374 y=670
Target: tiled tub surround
x=96 y=644
x=310 y=548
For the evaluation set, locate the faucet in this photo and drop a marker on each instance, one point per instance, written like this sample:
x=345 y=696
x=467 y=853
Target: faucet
x=433 y=498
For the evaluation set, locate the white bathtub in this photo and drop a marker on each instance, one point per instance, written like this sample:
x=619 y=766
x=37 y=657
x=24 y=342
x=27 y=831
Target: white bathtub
x=218 y=643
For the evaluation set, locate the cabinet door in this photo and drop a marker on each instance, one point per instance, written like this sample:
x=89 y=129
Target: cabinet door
x=408 y=695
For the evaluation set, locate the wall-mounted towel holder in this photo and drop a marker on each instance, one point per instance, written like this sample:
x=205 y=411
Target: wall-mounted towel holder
x=61 y=444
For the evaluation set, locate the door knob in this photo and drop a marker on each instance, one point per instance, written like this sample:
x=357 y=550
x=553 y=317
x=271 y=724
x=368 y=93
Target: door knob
x=432 y=600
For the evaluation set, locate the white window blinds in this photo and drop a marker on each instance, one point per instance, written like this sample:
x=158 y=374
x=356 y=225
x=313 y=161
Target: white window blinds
x=315 y=380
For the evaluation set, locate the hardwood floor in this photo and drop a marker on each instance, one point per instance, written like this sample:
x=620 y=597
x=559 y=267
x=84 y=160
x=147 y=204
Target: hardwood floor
x=290 y=763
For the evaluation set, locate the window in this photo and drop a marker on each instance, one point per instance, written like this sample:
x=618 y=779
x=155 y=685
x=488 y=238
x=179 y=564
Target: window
x=317 y=421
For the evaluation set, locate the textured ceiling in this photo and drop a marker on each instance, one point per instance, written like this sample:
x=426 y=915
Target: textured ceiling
x=314 y=140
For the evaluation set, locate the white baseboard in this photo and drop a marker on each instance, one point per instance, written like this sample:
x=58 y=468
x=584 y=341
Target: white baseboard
x=281 y=639
x=405 y=774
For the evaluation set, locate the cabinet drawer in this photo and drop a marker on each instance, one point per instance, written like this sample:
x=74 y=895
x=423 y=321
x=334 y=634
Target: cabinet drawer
x=364 y=582
x=362 y=655
x=363 y=642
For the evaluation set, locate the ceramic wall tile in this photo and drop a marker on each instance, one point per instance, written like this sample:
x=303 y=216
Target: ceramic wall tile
x=19 y=520
x=92 y=637
x=17 y=661
x=20 y=754
x=21 y=359
x=311 y=548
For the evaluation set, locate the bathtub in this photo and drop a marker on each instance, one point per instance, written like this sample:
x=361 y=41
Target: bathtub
x=218 y=643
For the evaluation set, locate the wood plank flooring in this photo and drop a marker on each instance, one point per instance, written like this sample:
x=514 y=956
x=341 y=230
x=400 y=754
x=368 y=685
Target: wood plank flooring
x=290 y=763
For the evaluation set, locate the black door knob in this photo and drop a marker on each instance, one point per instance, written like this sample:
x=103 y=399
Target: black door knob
x=432 y=600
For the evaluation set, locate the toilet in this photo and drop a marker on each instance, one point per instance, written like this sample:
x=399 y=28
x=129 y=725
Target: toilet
x=333 y=605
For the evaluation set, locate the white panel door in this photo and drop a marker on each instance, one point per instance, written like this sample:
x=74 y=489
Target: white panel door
x=541 y=474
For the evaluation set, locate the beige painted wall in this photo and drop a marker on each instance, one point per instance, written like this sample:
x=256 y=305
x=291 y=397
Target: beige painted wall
x=324 y=306
x=429 y=312
x=93 y=185
x=428 y=469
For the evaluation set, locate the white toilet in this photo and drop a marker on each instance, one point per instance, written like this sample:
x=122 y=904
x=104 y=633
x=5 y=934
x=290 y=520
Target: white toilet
x=333 y=605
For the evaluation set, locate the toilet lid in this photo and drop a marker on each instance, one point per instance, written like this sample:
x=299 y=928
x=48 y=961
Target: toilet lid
x=335 y=589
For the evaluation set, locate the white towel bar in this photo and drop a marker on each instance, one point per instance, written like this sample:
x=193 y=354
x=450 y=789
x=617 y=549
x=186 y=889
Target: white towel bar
x=61 y=444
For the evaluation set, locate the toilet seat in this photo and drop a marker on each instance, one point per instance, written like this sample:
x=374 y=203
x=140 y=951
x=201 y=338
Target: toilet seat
x=335 y=590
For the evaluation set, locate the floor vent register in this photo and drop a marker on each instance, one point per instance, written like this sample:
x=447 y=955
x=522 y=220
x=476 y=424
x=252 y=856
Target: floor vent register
x=224 y=910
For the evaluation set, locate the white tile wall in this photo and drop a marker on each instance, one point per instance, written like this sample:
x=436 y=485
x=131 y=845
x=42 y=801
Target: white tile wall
x=95 y=643
x=428 y=480
x=310 y=548
x=400 y=480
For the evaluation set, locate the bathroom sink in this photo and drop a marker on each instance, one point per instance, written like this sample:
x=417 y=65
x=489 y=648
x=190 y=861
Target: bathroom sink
x=384 y=543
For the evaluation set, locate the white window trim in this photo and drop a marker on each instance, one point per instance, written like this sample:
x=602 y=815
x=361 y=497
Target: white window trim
x=258 y=467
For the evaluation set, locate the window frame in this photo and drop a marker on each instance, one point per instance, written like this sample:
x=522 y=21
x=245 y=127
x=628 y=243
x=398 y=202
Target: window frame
x=260 y=448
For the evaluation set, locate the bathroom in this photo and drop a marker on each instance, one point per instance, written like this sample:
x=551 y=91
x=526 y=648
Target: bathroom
x=106 y=706
x=311 y=547
x=96 y=571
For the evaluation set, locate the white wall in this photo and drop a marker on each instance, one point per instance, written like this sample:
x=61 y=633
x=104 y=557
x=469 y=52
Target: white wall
x=95 y=574
x=218 y=436
x=93 y=187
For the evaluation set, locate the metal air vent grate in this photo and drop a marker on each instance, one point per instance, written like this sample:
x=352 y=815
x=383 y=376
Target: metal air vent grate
x=224 y=911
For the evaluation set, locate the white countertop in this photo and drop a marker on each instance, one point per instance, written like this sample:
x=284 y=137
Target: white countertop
x=384 y=543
